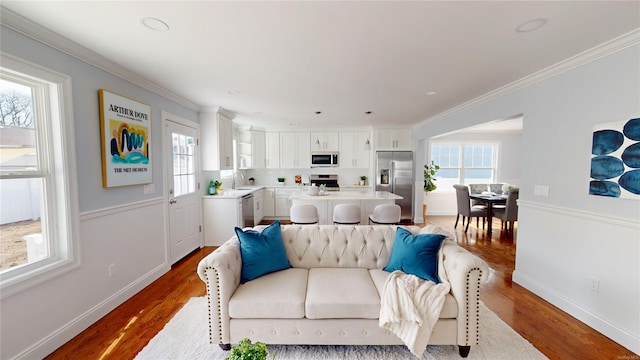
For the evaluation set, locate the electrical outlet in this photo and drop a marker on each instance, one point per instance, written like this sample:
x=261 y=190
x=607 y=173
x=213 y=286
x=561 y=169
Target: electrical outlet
x=112 y=270
x=541 y=190
x=595 y=285
x=149 y=189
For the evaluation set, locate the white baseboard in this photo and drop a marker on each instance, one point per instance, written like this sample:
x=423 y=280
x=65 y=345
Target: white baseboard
x=67 y=332
x=618 y=335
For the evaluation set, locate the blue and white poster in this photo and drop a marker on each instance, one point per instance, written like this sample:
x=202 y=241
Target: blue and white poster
x=615 y=161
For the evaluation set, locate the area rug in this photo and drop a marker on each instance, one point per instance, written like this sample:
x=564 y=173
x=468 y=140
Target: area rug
x=186 y=337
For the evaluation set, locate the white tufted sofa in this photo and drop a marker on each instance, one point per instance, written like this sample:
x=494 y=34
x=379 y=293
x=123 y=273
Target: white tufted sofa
x=331 y=295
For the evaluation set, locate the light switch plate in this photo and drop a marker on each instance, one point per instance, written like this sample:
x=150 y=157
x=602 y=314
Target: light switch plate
x=541 y=190
x=149 y=189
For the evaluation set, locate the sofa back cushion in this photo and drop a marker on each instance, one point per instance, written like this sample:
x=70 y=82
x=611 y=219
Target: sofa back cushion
x=327 y=246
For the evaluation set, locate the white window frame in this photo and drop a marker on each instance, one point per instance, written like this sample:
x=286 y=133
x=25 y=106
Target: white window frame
x=56 y=149
x=461 y=144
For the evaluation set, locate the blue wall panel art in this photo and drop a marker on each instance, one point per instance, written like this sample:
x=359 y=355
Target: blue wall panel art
x=615 y=161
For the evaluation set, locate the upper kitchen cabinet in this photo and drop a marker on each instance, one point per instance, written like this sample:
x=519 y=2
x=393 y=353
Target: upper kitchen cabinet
x=325 y=141
x=217 y=140
x=272 y=146
x=251 y=149
x=355 y=148
x=398 y=139
x=295 y=150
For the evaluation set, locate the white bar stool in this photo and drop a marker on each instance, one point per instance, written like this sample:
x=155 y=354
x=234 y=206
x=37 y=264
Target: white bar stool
x=346 y=214
x=386 y=214
x=303 y=214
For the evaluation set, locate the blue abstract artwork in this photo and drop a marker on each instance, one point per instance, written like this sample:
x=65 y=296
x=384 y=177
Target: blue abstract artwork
x=615 y=161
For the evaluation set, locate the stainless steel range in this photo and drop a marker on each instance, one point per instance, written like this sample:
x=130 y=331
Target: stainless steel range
x=330 y=181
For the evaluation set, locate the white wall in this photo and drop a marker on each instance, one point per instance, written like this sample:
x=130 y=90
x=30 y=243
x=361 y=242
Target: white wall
x=121 y=226
x=569 y=238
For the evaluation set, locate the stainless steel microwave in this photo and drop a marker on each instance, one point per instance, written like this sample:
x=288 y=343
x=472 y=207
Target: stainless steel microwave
x=324 y=159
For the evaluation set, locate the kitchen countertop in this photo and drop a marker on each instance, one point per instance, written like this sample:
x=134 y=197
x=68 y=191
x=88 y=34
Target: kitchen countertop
x=235 y=193
x=347 y=195
x=350 y=193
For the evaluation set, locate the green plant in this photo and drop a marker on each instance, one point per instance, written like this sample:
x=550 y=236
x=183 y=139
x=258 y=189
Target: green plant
x=214 y=184
x=363 y=178
x=280 y=179
x=429 y=176
x=245 y=350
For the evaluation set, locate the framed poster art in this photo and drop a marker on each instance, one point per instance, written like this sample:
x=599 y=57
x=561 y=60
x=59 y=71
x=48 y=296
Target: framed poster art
x=615 y=161
x=125 y=129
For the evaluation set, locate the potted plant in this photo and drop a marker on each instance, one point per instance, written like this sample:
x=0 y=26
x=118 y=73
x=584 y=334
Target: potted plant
x=363 y=180
x=430 y=171
x=245 y=350
x=429 y=176
x=281 y=180
x=252 y=181
x=213 y=186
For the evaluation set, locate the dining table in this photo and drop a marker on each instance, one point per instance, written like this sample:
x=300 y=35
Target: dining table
x=489 y=200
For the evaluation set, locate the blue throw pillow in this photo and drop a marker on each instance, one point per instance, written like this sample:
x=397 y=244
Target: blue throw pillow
x=416 y=254
x=262 y=252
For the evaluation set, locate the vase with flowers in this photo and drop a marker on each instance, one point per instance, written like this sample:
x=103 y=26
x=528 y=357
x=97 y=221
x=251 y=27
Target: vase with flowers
x=213 y=186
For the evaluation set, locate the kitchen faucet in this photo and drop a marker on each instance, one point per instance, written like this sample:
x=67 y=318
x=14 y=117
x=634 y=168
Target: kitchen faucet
x=233 y=178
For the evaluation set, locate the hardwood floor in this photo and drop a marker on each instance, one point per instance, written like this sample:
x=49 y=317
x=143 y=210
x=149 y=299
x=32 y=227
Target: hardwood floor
x=122 y=333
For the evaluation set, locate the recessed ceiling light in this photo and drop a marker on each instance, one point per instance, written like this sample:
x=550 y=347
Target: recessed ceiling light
x=234 y=92
x=531 y=25
x=430 y=92
x=154 y=24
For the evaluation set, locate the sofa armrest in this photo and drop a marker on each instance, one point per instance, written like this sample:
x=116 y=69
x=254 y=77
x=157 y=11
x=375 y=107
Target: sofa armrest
x=465 y=273
x=220 y=271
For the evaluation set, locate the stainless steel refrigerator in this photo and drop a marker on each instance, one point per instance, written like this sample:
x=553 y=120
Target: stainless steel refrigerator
x=394 y=173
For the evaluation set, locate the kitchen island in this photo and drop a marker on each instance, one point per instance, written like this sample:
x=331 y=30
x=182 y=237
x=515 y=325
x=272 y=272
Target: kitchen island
x=366 y=199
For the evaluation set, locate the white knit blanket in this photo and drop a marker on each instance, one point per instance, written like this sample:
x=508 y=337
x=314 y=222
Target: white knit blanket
x=410 y=307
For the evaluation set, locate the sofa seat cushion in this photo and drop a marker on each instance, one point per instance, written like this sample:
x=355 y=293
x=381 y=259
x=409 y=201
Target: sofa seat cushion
x=279 y=295
x=449 y=309
x=337 y=293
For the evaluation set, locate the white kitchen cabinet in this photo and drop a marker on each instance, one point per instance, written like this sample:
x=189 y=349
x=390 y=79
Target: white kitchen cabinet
x=251 y=149
x=325 y=141
x=283 y=204
x=398 y=139
x=258 y=206
x=354 y=150
x=295 y=151
x=272 y=147
x=221 y=216
x=217 y=140
x=269 y=202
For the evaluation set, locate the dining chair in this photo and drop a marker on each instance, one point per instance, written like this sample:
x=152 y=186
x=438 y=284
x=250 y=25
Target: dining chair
x=303 y=214
x=346 y=214
x=477 y=189
x=386 y=214
x=509 y=214
x=496 y=188
x=465 y=209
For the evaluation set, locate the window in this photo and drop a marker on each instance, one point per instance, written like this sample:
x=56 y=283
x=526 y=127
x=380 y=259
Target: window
x=184 y=178
x=38 y=200
x=464 y=163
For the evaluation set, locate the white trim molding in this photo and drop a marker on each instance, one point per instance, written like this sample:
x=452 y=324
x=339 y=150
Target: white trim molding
x=632 y=223
x=41 y=34
x=621 y=42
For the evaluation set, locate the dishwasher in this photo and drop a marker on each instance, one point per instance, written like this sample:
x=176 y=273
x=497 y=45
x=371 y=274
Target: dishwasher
x=247 y=211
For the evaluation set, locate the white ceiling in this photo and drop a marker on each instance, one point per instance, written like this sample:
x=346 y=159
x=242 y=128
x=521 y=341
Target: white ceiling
x=277 y=63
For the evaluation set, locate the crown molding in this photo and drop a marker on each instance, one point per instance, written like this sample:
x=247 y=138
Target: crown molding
x=47 y=37
x=619 y=43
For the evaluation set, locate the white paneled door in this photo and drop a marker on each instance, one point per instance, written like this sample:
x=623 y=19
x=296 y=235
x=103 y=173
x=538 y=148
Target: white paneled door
x=184 y=214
